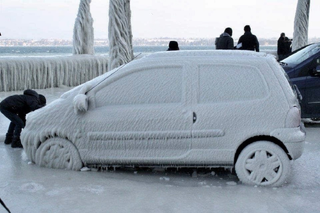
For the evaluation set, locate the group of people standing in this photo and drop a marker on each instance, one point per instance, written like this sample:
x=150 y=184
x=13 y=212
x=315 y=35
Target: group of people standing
x=247 y=41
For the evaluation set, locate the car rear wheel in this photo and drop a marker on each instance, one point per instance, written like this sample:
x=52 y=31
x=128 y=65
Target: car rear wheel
x=263 y=163
x=58 y=153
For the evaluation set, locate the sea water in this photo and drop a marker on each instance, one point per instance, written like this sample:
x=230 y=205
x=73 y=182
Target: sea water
x=52 y=51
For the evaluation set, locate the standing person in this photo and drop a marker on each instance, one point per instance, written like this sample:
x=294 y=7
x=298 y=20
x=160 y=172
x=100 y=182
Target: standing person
x=281 y=48
x=287 y=45
x=173 y=45
x=225 y=40
x=248 y=41
x=15 y=108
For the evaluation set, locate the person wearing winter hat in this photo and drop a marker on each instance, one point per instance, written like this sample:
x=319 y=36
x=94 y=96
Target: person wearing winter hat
x=173 y=45
x=15 y=108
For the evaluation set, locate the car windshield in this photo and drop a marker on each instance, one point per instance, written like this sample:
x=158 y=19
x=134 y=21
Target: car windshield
x=302 y=54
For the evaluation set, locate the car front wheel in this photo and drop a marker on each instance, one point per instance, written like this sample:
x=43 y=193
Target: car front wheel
x=58 y=153
x=263 y=163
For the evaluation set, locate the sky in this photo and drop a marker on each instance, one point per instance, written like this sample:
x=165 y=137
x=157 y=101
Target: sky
x=54 y=19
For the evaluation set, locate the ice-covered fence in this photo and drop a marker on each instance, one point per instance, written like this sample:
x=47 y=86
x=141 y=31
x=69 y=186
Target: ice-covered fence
x=45 y=72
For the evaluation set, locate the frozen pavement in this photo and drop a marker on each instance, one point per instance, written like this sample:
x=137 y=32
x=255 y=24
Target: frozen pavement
x=28 y=188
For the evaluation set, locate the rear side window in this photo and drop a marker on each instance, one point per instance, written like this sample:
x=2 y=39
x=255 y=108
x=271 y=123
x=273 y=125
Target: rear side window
x=148 y=86
x=227 y=83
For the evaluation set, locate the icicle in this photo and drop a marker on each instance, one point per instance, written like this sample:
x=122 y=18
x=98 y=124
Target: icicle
x=301 y=25
x=120 y=34
x=83 y=35
x=44 y=72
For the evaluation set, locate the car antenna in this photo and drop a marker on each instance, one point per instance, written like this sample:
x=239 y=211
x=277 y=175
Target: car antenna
x=109 y=75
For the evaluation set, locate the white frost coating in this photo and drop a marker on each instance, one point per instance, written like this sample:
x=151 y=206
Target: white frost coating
x=120 y=33
x=83 y=35
x=80 y=103
x=301 y=24
x=158 y=111
x=58 y=153
x=45 y=72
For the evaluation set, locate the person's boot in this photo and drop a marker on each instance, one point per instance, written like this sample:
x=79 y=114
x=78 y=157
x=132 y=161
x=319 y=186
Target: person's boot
x=16 y=143
x=9 y=138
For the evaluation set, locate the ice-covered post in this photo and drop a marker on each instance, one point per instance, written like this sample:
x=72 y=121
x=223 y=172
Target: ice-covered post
x=301 y=24
x=83 y=36
x=120 y=33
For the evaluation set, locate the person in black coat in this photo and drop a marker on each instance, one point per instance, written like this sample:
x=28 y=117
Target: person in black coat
x=248 y=41
x=284 y=47
x=225 y=41
x=281 y=47
x=287 y=45
x=15 y=108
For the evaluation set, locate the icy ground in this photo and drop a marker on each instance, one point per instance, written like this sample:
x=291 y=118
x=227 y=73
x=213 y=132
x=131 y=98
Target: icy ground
x=28 y=188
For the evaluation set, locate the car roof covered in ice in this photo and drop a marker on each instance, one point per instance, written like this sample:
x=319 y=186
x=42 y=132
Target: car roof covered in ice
x=175 y=56
x=206 y=53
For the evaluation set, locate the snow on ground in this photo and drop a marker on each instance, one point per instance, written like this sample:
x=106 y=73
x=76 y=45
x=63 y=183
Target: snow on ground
x=28 y=188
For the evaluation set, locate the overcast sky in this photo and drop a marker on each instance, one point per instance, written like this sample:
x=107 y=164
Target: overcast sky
x=54 y=19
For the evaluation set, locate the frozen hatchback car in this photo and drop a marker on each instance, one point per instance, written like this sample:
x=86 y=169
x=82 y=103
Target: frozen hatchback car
x=183 y=108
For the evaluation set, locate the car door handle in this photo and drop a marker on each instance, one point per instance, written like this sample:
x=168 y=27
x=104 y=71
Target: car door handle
x=194 y=117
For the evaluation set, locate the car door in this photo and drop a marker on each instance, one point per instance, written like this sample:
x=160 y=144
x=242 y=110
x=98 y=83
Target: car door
x=312 y=91
x=142 y=116
x=308 y=83
x=225 y=108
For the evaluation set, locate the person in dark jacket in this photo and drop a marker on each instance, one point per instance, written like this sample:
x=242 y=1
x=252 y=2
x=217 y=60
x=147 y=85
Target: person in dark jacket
x=284 y=46
x=287 y=44
x=248 y=41
x=281 y=48
x=225 y=40
x=173 y=45
x=15 y=108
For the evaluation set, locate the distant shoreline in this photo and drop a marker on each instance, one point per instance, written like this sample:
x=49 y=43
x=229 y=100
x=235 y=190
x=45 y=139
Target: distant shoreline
x=53 y=51
x=136 y=42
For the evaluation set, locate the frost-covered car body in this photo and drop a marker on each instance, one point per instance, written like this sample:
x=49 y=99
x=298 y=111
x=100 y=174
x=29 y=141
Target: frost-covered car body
x=182 y=108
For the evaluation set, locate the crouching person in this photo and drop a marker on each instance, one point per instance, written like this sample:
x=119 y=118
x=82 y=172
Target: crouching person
x=15 y=108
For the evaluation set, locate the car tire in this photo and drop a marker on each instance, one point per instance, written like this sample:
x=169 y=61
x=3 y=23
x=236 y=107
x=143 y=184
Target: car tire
x=263 y=163
x=58 y=153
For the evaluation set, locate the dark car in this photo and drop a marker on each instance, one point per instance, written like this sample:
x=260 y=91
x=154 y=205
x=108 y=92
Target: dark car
x=303 y=69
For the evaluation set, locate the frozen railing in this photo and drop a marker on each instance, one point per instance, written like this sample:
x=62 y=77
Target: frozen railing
x=45 y=72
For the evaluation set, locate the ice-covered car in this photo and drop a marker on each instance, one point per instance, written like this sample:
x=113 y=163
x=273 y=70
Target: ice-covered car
x=176 y=109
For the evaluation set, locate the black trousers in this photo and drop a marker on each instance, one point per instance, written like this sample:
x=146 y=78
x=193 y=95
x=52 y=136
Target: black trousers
x=16 y=124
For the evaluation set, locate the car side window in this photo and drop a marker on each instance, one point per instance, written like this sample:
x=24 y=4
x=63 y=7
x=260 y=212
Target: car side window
x=158 y=85
x=227 y=83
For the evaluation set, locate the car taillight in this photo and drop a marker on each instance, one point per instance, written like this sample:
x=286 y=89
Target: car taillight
x=293 y=117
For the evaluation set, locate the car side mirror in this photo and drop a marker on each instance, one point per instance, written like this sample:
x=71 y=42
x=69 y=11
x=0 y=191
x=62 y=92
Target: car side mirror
x=316 y=71
x=80 y=103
